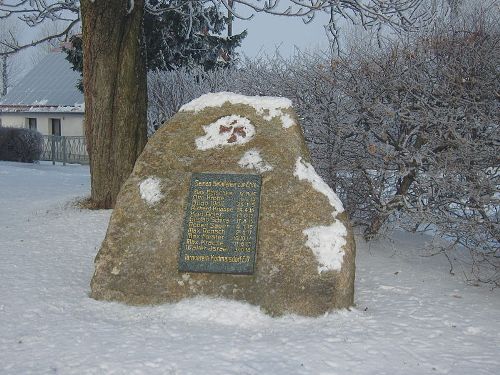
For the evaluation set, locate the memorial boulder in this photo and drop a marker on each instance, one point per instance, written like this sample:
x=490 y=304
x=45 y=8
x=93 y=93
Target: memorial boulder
x=224 y=202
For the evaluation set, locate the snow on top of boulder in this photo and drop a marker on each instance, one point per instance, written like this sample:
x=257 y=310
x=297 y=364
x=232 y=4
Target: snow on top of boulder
x=226 y=131
x=219 y=98
x=267 y=106
x=305 y=171
x=150 y=190
x=326 y=242
x=252 y=160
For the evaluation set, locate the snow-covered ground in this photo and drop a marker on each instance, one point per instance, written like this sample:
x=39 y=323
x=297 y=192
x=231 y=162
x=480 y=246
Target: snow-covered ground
x=411 y=315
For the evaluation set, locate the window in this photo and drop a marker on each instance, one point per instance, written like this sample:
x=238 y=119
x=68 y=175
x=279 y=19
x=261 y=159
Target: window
x=56 y=126
x=32 y=123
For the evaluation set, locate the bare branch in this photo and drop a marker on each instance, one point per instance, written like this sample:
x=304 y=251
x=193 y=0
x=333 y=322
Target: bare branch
x=16 y=47
x=35 y=12
x=397 y=14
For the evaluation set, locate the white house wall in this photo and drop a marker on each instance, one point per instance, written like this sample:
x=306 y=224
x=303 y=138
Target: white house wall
x=71 y=123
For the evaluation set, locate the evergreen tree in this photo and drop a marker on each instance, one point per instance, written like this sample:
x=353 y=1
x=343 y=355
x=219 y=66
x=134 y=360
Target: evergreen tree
x=114 y=69
x=75 y=56
x=187 y=36
x=190 y=35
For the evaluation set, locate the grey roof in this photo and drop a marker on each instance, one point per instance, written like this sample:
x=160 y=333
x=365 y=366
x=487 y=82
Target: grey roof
x=52 y=82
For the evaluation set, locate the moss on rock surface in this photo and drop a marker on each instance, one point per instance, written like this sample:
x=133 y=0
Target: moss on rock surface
x=301 y=228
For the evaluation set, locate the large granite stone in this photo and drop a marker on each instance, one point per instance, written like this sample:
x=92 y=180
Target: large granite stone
x=305 y=247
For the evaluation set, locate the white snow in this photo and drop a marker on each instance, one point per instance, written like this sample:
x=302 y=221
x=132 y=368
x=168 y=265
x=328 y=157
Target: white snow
x=411 y=316
x=41 y=102
x=39 y=108
x=227 y=131
x=252 y=160
x=267 y=106
x=287 y=121
x=326 y=242
x=305 y=171
x=150 y=190
x=130 y=6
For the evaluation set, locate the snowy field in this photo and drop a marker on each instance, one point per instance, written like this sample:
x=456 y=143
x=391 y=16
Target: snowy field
x=411 y=315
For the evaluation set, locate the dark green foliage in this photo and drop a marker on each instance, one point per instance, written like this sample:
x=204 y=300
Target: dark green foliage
x=176 y=38
x=185 y=37
x=75 y=57
x=22 y=145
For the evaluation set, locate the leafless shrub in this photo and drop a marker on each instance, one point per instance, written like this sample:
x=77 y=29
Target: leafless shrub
x=408 y=136
x=424 y=137
x=22 y=145
x=169 y=90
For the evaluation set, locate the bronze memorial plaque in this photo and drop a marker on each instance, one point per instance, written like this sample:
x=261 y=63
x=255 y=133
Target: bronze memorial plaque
x=220 y=226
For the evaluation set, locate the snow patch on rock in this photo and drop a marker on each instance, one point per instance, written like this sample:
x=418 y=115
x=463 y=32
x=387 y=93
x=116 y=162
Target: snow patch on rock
x=305 y=171
x=252 y=160
x=326 y=242
x=150 y=190
x=226 y=131
x=267 y=106
x=287 y=121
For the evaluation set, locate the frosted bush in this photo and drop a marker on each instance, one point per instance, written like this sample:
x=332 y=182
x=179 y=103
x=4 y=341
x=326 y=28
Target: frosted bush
x=22 y=145
x=407 y=135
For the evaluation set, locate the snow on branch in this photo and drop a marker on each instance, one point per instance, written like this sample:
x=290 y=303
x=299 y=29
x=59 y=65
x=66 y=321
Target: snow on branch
x=397 y=14
x=130 y=6
x=36 y=12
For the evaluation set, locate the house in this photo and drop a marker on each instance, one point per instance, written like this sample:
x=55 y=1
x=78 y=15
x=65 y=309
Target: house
x=46 y=99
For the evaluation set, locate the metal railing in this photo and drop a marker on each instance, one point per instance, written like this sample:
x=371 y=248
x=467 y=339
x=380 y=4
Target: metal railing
x=65 y=149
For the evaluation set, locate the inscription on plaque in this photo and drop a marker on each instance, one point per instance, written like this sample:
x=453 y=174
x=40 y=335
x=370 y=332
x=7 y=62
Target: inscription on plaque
x=220 y=226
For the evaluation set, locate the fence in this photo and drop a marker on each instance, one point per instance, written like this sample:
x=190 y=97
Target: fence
x=64 y=149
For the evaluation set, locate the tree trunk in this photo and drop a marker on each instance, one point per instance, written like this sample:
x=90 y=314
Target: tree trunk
x=5 y=83
x=114 y=79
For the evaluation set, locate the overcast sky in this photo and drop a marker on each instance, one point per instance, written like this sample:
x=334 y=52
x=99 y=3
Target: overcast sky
x=267 y=32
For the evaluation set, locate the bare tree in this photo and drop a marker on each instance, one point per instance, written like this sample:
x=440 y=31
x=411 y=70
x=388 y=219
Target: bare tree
x=419 y=141
x=38 y=12
x=408 y=135
x=9 y=32
x=114 y=65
